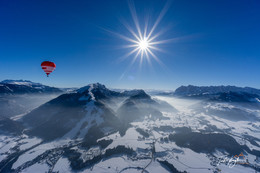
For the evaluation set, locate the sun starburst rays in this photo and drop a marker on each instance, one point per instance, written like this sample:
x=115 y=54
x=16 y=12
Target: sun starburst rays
x=144 y=40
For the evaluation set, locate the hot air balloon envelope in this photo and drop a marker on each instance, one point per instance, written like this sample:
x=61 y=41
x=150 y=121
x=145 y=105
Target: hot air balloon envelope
x=48 y=67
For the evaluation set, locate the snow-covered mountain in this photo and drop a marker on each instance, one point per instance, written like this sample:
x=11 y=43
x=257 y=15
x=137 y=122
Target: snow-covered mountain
x=191 y=90
x=95 y=129
x=217 y=93
x=25 y=87
x=72 y=114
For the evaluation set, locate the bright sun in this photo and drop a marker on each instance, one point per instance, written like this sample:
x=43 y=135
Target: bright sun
x=144 y=39
x=143 y=44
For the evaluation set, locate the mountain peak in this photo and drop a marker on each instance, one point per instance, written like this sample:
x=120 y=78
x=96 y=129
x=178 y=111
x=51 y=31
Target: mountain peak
x=96 y=91
x=141 y=94
x=132 y=92
x=91 y=87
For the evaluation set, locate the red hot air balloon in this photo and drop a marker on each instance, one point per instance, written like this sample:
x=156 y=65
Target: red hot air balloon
x=48 y=67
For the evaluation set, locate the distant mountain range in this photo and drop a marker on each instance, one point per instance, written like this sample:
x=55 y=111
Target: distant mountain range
x=14 y=103
x=25 y=87
x=217 y=93
x=191 y=90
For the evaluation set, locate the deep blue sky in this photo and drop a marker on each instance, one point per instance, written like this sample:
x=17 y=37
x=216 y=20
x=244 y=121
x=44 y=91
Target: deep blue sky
x=220 y=43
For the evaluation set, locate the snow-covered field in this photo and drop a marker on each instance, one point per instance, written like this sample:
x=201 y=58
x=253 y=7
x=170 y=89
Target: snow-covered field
x=183 y=159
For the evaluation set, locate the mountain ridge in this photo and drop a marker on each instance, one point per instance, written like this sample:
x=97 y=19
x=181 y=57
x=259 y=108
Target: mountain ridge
x=196 y=90
x=25 y=87
x=72 y=108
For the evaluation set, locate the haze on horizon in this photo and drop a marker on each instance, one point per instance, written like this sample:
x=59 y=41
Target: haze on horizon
x=214 y=43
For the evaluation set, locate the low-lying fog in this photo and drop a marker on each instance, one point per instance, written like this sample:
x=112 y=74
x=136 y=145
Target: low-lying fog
x=178 y=103
x=13 y=105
